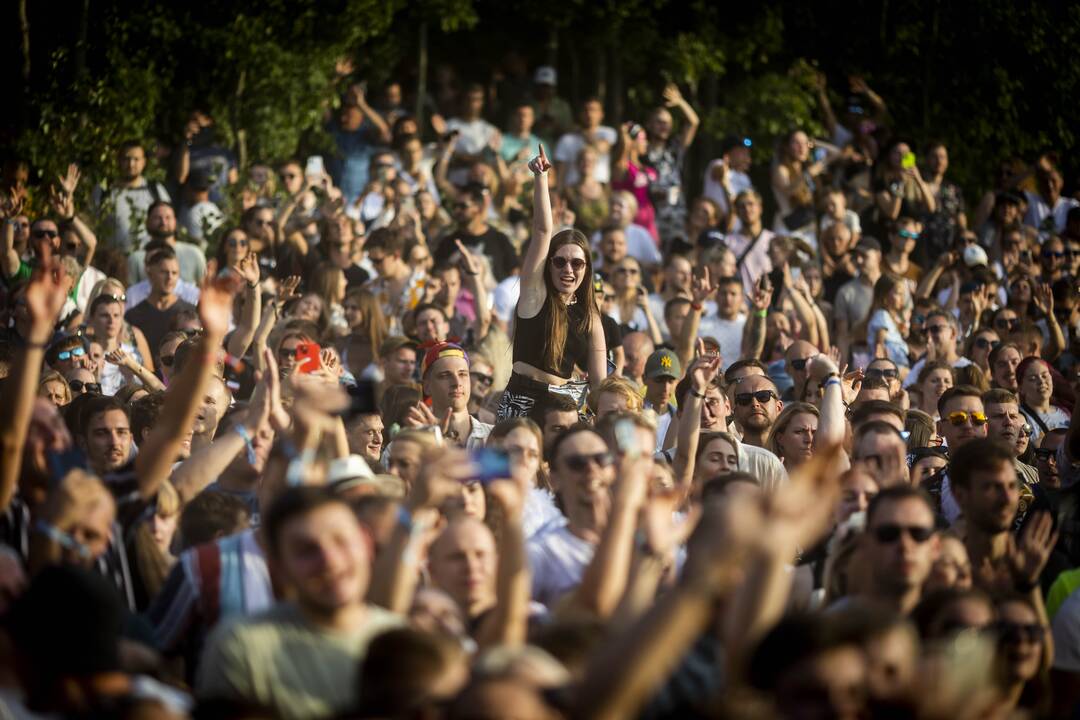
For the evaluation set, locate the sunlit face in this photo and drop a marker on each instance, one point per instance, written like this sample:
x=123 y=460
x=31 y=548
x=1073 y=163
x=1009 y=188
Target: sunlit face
x=935 y=385
x=627 y=276
x=523 y=447
x=613 y=246
x=904 y=562
x=925 y=467
x=952 y=569
x=703 y=215
x=799 y=146
x=984 y=342
x=55 y=392
x=399 y=366
x=162 y=529
x=431 y=326
x=1004 y=422
x=1038 y=383
x=991 y=501
x=448 y=384
x=748 y=208
x=719 y=457
x=957 y=435
x=462 y=562
x=132 y=163
x=108 y=441
x=1003 y=371
x=568 y=278
x=108 y=320
x=729 y=300
x=322 y=557
x=796 y=440
x=482 y=376
x=237 y=247
x=292 y=178
x=1023 y=638
x=857 y=489
x=309 y=308
x=582 y=474
x=164 y=276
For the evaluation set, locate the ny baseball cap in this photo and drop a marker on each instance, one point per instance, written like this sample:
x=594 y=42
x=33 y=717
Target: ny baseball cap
x=663 y=363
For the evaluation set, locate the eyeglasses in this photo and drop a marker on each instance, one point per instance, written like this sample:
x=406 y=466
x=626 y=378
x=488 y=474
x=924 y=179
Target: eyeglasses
x=888 y=534
x=482 y=378
x=238 y=242
x=576 y=264
x=167 y=360
x=79 y=386
x=984 y=343
x=800 y=363
x=579 y=463
x=46 y=234
x=884 y=373
x=959 y=418
x=762 y=396
x=1015 y=633
x=73 y=352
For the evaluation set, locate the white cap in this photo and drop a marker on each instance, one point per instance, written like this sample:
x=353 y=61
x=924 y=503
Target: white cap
x=545 y=75
x=975 y=256
x=347 y=471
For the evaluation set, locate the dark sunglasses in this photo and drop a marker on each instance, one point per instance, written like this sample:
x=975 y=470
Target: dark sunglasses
x=1014 y=633
x=46 y=234
x=68 y=354
x=480 y=377
x=80 y=386
x=576 y=264
x=1045 y=453
x=238 y=242
x=800 y=363
x=958 y=418
x=1052 y=255
x=1027 y=430
x=762 y=396
x=884 y=373
x=983 y=343
x=887 y=534
x=936 y=329
x=167 y=360
x=579 y=463
x=1011 y=324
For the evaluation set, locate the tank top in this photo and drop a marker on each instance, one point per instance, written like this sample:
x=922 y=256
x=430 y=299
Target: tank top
x=530 y=336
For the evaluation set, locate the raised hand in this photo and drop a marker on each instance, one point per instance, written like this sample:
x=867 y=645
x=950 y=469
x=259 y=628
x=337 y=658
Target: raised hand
x=440 y=478
x=1028 y=556
x=288 y=288
x=12 y=204
x=1043 y=297
x=420 y=415
x=215 y=304
x=672 y=95
x=703 y=371
x=761 y=298
x=539 y=165
x=330 y=362
x=279 y=418
x=248 y=268
x=70 y=181
x=800 y=512
x=343 y=66
x=45 y=294
x=120 y=357
x=701 y=288
x=469 y=263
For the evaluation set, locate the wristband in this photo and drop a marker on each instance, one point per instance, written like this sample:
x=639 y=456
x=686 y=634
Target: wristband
x=243 y=433
x=696 y=306
x=295 y=474
x=696 y=394
x=831 y=381
x=404 y=518
x=61 y=538
x=761 y=313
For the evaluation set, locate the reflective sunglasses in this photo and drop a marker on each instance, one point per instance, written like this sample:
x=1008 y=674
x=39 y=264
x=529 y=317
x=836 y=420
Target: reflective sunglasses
x=576 y=264
x=884 y=373
x=68 y=354
x=762 y=396
x=579 y=463
x=79 y=386
x=908 y=234
x=984 y=343
x=1026 y=429
x=958 y=418
x=887 y=534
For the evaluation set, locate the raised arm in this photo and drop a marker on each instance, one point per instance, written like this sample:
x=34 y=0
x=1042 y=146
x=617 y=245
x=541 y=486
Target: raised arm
x=251 y=314
x=532 y=265
x=685 y=342
x=10 y=208
x=702 y=374
x=756 y=328
x=821 y=92
x=1044 y=301
x=473 y=280
x=508 y=623
x=356 y=92
x=673 y=98
x=185 y=394
x=44 y=299
x=63 y=202
x=149 y=380
x=832 y=426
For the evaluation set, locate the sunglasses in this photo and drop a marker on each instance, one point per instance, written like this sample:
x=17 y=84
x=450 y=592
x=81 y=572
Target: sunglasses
x=79 y=386
x=1027 y=430
x=984 y=343
x=576 y=264
x=1010 y=324
x=1015 y=633
x=762 y=396
x=579 y=463
x=238 y=242
x=884 y=373
x=908 y=234
x=959 y=418
x=167 y=360
x=1045 y=453
x=68 y=354
x=1052 y=255
x=800 y=363
x=46 y=234
x=887 y=534
x=936 y=329
x=482 y=378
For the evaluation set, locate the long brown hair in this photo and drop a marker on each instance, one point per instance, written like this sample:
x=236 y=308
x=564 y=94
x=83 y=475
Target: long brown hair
x=374 y=323
x=557 y=322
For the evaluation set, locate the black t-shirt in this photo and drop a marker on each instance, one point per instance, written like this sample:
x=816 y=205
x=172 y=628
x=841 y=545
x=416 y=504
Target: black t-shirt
x=494 y=244
x=155 y=323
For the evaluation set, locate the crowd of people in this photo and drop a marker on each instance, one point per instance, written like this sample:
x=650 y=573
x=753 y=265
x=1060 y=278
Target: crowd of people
x=495 y=415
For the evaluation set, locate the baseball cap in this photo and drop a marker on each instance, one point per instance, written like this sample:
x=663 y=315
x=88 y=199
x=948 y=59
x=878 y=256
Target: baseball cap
x=440 y=351
x=663 y=363
x=868 y=243
x=545 y=75
x=975 y=256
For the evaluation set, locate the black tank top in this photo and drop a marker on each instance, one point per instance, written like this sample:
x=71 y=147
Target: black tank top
x=530 y=336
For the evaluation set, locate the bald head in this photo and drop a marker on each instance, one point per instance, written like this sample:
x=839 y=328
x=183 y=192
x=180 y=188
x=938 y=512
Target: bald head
x=461 y=561
x=638 y=347
x=797 y=358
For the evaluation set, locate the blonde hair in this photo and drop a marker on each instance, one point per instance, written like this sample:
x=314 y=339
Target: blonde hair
x=618 y=386
x=54 y=376
x=783 y=420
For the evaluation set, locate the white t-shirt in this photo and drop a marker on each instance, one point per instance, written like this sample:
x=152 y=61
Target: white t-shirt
x=713 y=190
x=570 y=146
x=539 y=512
x=474 y=135
x=728 y=332
x=558 y=559
x=763 y=465
x=1038 y=212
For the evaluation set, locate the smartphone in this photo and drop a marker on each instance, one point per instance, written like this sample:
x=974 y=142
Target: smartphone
x=908 y=160
x=490 y=464
x=315 y=169
x=626 y=439
x=307 y=357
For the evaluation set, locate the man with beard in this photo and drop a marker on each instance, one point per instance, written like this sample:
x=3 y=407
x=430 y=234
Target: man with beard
x=900 y=546
x=161 y=226
x=986 y=487
x=757 y=404
x=130 y=199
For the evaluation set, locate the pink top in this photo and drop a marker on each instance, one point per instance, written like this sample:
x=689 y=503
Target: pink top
x=636 y=181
